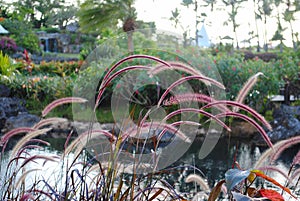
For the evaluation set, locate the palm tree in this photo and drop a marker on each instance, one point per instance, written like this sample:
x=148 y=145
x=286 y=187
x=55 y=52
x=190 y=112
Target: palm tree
x=265 y=10
x=196 y=5
x=289 y=16
x=257 y=17
x=96 y=16
x=234 y=5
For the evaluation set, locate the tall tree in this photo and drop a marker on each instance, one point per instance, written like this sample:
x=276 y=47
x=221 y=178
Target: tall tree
x=95 y=16
x=234 y=6
x=200 y=17
x=36 y=11
x=289 y=16
x=278 y=33
x=62 y=17
x=175 y=17
x=265 y=11
x=257 y=17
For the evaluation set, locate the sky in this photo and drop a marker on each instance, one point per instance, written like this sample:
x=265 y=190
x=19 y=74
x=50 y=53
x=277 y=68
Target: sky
x=159 y=11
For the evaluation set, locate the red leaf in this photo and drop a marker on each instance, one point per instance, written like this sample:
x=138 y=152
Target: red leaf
x=271 y=194
x=260 y=174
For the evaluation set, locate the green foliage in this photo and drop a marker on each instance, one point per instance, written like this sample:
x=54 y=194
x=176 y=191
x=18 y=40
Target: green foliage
x=50 y=29
x=234 y=71
x=29 y=41
x=59 y=68
x=23 y=34
x=6 y=66
x=269 y=115
x=95 y=16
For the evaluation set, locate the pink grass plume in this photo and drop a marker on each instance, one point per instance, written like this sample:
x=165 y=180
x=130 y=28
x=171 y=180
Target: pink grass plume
x=61 y=101
x=184 y=79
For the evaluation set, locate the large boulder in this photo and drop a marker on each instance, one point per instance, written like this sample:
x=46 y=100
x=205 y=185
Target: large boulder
x=286 y=122
x=10 y=107
x=21 y=120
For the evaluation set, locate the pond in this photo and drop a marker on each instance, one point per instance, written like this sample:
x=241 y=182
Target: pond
x=213 y=167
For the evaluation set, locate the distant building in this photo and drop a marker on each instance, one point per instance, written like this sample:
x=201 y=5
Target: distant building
x=203 y=40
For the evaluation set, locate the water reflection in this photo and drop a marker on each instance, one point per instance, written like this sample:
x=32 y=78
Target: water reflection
x=213 y=166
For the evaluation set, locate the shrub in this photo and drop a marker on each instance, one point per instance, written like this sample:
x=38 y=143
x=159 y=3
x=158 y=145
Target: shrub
x=60 y=68
x=29 y=41
x=22 y=33
x=7 y=45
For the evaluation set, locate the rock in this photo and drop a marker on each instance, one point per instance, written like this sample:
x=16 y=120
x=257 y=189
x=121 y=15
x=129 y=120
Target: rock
x=21 y=120
x=10 y=107
x=286 y=123
x=4 y=91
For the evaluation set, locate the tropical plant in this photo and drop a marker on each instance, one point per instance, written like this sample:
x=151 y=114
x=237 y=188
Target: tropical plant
x=62 y=17
x=91 y=173
x=289 y=16
x=241 y=184
x=256 y=18
x=234 y=5
x=265 y=10
x=35 y=12
x=7 y=68
x=95 y=17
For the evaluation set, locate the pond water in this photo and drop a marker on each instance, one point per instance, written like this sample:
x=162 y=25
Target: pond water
x=213 y=166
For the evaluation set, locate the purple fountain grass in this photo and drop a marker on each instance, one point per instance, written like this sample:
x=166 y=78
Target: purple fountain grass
x=107 y=81
x=195 y=97
x=154 y=193
x=23 y=177
x=177 y=66
x=47 y=121
x=286 y=144
x=147 y=126
x=26 y=197
x=242 y=106
x=25 y=148
x=246 y=88
x=158 y=190
x=192 y=123
x=295 y=175
x=252 y=122
x=68 y=139
x=267 y=155
x=5 y=138
x=85 y=137
x=136 y=56
x=174 y=65
x=296 y=159
x=184 y=79
x=207 y=114
x=38 y=157
x=107 y=75
x=26 y=139
x=14 y=132
x=199 y=180
x=42 y=192
x=176 y=124
x=61 y=101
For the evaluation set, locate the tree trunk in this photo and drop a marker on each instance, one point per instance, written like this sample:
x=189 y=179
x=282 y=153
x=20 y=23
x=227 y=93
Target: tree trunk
x=130 y=41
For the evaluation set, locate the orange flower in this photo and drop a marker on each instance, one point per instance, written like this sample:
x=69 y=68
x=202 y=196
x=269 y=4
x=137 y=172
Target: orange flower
x=2 y=19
